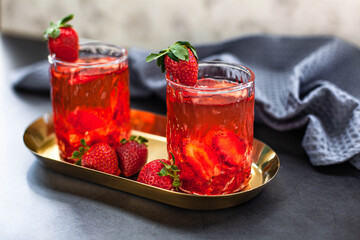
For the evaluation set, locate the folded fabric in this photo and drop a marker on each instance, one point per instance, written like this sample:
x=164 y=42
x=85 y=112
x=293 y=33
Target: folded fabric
x=313 y=81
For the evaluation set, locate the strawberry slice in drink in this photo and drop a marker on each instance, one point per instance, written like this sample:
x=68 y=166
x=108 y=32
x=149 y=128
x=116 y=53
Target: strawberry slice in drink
x=229 y=148
x=83 y=121
x=201 y=159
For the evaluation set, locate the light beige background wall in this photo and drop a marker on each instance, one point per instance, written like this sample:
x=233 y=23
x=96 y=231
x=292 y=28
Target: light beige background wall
x=154 y=24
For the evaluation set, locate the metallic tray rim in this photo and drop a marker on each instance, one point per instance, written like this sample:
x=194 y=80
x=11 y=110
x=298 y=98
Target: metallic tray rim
x=40 y=133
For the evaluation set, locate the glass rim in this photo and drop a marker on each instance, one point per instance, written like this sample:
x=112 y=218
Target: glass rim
x=219 y=90
x=122 y=58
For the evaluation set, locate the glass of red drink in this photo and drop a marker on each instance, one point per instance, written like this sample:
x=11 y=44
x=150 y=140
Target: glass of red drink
x=90 y=97
x=210 y=128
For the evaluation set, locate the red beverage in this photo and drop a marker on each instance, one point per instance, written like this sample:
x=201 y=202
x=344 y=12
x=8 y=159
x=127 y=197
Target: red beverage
x=90 y=98
x=210 y=130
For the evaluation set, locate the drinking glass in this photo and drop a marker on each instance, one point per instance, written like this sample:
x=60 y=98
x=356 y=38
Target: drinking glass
x=90 y=97
x=210 y=128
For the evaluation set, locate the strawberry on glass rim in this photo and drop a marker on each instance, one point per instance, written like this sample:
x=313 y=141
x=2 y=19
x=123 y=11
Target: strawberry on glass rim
x=63 y=40
x=180 y=61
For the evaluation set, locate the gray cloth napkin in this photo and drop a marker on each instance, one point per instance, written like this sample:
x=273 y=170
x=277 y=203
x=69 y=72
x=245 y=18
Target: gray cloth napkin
x=313 y=81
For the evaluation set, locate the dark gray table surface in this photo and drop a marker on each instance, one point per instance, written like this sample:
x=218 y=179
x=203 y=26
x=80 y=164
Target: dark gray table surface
x=302 y=202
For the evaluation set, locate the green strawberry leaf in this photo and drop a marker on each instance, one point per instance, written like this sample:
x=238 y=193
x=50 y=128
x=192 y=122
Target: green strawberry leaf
x=78 y=162
x=142 y=140
x=172 y=171
x=66 y=25
x=52 y=32
x=187 y=44
x=180 y=51
x=66 y=19
x=195 y=53
x=164 y=172
x=139 y=139
x=174 y=168
x=159 y=61
x=55 y=33
x=152 y=57
x=167 y=166
x=82 y=141
x=162 y=64
x=75 y=155
x=176 y=183
x=173 y=158
x=82 y=150
x=173 y=57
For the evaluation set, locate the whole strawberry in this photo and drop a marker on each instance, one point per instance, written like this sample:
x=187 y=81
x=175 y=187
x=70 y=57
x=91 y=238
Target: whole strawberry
x=63 y=40
x=100 y=156
x=132 y=155
x=160 y=173
x=180 y=61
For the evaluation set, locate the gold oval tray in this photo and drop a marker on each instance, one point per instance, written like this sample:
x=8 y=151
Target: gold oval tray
x=40 y=139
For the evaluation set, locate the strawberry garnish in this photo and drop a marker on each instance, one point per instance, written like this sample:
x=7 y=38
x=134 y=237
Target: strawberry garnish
x=180 y=61
x=63 y=40
x=160 y=173
x=132 y=155
x=100 y=156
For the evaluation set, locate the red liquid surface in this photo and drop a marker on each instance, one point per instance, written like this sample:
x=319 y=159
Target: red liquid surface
x=211 y=137
x=90 y=103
